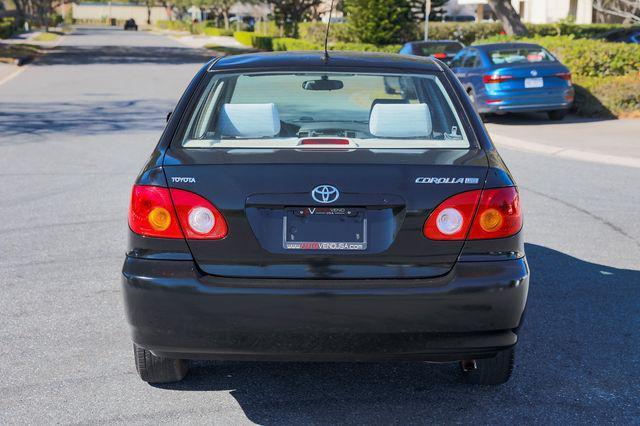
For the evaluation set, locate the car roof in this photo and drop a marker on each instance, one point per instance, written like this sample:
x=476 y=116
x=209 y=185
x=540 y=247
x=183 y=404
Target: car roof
x=490 y=46
x=316 y=60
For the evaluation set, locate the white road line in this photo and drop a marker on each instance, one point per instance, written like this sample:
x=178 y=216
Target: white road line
x=14 y=74
x=573 y=154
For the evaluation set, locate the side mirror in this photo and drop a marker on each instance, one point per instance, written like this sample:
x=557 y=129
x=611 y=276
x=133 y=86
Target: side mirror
x=169 y=115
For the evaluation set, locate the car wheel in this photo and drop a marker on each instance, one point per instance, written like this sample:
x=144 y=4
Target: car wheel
x=557 y=115
x=491 y=371
x=155 y=369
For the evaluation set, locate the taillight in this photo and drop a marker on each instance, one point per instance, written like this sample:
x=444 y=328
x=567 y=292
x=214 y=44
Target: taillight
x=565 y=76
x=492 y=213
x=499 y=214
x=325 y=141
x=200 y=220
x=451 y=219
x=440 y=55
x=153 y=214
x=495 y=78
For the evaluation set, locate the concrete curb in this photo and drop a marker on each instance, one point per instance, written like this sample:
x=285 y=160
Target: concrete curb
x=573 y=154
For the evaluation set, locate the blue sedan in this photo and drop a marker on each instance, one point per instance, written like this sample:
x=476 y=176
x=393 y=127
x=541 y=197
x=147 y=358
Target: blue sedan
x=514 y=77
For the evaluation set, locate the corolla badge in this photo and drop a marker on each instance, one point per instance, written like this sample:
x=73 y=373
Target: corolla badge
x=325 y=194
x=534 y=73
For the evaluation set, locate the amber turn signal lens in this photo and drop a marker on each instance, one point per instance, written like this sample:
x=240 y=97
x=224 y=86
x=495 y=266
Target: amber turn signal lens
x=491 y=220
x=159 y=218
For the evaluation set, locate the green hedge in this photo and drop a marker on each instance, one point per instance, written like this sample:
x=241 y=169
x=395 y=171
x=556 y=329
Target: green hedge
x=212 y=31
x=469 y=32
x=586 y=57
x=286 y=43
x=197 y=28
x=315 y=31
x=244 y=37
x=616 y=96
x=366 y=47
x=7 y=27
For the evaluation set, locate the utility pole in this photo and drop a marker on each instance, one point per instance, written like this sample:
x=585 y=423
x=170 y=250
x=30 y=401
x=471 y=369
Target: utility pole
x=427 y=12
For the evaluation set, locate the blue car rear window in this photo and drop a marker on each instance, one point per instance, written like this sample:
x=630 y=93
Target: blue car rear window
x=520 y=55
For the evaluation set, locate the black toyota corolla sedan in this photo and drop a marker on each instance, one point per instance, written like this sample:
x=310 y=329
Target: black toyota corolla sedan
x=300 y=207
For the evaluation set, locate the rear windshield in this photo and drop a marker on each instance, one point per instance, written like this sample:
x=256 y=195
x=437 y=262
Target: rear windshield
x=299 y=110
x=432 y=48
x=520 y=55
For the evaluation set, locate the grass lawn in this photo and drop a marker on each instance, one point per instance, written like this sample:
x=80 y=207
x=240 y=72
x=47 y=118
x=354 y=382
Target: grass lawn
x=47 y=37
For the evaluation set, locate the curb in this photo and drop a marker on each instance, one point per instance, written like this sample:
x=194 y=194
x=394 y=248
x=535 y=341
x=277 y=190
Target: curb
x=573 y=154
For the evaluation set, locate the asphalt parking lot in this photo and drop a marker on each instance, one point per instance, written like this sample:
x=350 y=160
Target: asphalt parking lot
x=76 y=127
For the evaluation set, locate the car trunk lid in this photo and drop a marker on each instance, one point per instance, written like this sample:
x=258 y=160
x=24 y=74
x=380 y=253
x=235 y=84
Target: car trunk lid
x=267 y=199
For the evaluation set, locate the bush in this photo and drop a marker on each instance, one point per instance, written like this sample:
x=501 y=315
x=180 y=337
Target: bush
x=607 y=97
x=244 y=37
x=365 y=47
x=467 y=32
x=211 y=31
x=287 y=43
x=262 y=42
x=380 y=22
x=7 y=27
x=587 y=57
x=470 y=32
x=315 y=31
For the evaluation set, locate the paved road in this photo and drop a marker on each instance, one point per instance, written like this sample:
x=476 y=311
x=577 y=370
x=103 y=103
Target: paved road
x=74 y=130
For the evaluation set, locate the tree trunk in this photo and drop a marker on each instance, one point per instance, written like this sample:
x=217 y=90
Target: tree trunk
x=508 y=16
x=225 y=15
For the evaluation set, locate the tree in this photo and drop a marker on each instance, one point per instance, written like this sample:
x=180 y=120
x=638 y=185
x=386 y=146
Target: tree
x=39 y=12
x=628 y=10
x=289 y=13
x=380 y=21
x=508 y=16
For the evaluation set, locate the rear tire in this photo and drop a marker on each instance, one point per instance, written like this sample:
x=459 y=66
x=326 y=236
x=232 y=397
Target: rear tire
x=492 y=371
x=155 y=369
x=557 y=115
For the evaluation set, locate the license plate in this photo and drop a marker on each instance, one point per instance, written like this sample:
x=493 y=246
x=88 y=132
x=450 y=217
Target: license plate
x=324 y=228
x=532 y=83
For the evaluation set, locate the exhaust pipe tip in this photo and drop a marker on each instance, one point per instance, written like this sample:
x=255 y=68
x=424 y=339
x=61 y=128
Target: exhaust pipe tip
x=468 y=365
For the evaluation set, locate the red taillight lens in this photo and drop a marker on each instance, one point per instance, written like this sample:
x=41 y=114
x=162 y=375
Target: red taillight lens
x=440 y=55
x=451 y=219
x=200 y=220
x=325 y=141
x=499 y=214
x=495 y=78
x=151 y=213
x=565 y=76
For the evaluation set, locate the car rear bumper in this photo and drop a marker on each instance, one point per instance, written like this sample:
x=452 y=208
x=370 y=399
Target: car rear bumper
x=521 y=102
x=176 y=311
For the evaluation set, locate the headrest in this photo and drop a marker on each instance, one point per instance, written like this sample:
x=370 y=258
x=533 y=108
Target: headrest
x=400 y=120
x=249 y=120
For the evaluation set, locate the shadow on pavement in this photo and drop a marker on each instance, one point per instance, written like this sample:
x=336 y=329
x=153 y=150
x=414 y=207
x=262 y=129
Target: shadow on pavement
x=538 y=118
x=81 y=55
x=577 y=359
x=82 y=118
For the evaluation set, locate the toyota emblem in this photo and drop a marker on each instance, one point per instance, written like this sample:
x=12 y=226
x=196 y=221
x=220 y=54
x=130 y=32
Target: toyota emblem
x=325 y=194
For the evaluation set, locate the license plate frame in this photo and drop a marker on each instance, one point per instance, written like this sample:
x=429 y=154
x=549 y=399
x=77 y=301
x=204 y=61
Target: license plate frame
x=328 y=221
x=534 y=82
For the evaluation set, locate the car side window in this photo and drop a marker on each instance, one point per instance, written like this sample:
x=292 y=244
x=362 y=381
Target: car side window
x=471 y=59
x=458 y=59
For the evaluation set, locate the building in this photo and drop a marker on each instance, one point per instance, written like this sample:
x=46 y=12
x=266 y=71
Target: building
x=534 y=11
